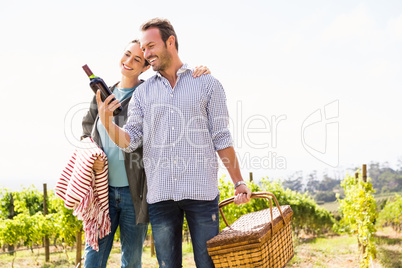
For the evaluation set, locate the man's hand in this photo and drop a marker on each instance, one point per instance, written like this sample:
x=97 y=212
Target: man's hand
x=242 y=194
x=105 y=111
x=106 y=108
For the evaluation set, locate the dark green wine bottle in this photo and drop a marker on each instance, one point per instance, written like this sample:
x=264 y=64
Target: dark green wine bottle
x=96 y=84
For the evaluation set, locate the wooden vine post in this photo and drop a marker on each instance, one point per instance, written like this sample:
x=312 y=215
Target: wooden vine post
x=79 y=249
x=46 y=238
x=364 y=178
x=11 y=214
x=152 y=246
x=362 y=248
x=365 y=173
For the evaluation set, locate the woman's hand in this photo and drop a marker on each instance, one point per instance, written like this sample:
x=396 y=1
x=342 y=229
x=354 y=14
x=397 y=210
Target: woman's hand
x=99 y=165
x=106 y=108
x=200 y=70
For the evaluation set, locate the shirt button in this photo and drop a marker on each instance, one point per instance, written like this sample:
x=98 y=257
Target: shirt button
x=171 y=95
x=172 y=128
x=174 y=162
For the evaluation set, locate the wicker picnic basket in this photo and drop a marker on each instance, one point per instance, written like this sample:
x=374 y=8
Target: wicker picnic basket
x=257 y=239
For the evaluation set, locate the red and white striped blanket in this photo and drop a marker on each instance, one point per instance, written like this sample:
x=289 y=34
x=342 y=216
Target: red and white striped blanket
x=86 y=192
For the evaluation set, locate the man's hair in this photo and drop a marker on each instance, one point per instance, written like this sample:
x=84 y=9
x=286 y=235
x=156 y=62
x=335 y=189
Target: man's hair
x=165 y=28
x=136 y=41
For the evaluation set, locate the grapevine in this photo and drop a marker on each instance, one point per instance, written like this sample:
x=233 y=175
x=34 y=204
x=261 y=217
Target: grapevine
x=358 y=209
x=391 y=215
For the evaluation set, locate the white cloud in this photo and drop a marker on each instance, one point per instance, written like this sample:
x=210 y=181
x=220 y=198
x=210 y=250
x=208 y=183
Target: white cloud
x=357 y=23
x=394 y=27
x=382 y=69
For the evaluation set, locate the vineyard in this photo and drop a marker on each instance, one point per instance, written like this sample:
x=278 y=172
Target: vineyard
x=30 y=219
x=27 y=221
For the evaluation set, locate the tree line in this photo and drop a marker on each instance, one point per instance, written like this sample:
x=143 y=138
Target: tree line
x=383 y=178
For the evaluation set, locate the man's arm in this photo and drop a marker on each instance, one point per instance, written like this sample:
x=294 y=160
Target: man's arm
x=218 y=118
x=229 y=159
x=105 y=109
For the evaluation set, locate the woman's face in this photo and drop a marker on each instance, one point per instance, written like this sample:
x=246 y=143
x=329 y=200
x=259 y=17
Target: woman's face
x=132 y=62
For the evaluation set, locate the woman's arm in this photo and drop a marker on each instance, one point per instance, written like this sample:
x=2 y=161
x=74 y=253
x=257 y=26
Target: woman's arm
x=89 y=119
x=87 y=125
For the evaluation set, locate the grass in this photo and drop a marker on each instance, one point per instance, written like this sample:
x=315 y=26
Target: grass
x=27 y=258
x=66 y=259
x=310 y=252
x=342 y=251
x=338 y=251
x=389 y=247
x=149 y=261
x=331 y=206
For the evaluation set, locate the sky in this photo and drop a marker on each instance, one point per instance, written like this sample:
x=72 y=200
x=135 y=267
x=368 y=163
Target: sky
x=310 y=85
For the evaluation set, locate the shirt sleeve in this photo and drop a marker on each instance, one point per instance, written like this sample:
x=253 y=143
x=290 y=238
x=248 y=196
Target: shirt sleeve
x=134 y=124
x=218 y=117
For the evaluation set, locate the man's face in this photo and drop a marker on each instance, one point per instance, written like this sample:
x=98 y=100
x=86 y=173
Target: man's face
x=155 y=51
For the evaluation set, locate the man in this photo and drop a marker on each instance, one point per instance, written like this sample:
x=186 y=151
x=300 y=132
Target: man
x=182 y=122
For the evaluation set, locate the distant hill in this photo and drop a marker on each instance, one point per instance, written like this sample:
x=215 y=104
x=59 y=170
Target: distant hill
x=384 y=179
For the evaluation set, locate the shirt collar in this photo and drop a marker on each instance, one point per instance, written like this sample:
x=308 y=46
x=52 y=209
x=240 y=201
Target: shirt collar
x=182 y=69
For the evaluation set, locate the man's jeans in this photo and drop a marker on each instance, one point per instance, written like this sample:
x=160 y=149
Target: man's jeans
x=167 y=223
x=132 y=236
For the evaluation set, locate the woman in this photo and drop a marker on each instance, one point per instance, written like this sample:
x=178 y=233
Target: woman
x=128 y=208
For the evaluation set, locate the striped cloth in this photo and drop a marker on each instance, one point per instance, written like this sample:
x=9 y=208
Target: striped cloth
x=86 y=192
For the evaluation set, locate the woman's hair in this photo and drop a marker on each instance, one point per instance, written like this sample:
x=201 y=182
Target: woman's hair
x=136 y=41
x=165 y=28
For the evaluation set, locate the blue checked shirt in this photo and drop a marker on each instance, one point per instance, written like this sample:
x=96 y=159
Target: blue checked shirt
x=180 y=130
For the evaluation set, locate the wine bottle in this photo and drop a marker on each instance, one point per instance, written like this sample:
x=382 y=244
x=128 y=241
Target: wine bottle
x=96 y=84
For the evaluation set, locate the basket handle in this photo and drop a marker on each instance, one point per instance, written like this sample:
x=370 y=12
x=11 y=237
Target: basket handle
x=254 y=195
